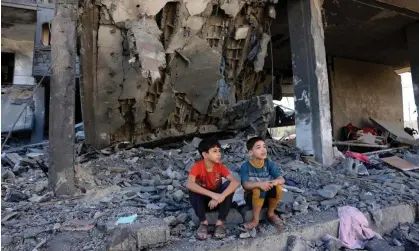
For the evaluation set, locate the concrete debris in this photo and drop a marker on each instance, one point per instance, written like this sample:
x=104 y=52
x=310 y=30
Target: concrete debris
x=151 y=7
x=329 y=191
x=232 y=7
x=204 y=65
x=296 y=243
x=143 y=36
x=241 y=33
x=196 y=7
x=150 y=183
x=263 y=52
x=253 y=114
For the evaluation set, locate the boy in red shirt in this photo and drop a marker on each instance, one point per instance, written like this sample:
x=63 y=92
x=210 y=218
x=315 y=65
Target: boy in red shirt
x=206 y=190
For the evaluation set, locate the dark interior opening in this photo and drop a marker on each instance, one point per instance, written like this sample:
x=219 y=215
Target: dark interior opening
x=7 y=68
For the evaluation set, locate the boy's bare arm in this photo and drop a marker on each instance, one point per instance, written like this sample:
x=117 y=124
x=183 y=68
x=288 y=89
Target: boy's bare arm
x=234 y=184
x=264 y=185
x=278 y=181
x=192 y=186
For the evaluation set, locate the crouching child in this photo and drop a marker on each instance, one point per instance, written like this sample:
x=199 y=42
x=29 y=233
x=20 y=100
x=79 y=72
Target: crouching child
x=262 y=182
x=206 y=190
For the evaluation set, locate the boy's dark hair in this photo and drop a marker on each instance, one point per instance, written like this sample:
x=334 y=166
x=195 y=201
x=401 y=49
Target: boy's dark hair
x=206 y=144
x=252 y=141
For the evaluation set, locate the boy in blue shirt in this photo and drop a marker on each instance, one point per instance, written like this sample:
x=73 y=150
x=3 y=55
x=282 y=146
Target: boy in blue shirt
x=262 y=179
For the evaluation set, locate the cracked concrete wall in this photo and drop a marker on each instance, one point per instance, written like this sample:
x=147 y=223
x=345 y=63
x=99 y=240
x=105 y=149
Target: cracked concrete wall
x=158 y=69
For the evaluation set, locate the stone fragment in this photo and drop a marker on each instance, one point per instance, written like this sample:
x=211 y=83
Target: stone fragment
x=300 y=204
x=15 y=196
x=381 y=245
x=139 y=236
x=181 y=218
x=178 y=195
x=178 y=229
x=170 y=220
x=329 y=191
x=41 y=186
x=7 y=175
x=78 y=225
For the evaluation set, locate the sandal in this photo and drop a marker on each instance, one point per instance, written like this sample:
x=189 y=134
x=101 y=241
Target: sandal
x=202 y=232
x=277 y=222
x=248 y=226
x=220 y=232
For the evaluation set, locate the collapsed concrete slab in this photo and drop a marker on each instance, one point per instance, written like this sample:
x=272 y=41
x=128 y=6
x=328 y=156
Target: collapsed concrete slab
x=159 y=69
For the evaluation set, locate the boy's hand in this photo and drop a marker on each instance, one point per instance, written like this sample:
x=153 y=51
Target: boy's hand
x=213 y=204
x=266 y=186
x=218 y=197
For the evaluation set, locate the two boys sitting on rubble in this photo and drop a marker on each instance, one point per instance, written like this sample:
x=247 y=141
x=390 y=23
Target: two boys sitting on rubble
x=260 y=178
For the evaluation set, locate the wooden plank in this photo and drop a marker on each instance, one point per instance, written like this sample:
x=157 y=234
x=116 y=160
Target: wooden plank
x=399 y=163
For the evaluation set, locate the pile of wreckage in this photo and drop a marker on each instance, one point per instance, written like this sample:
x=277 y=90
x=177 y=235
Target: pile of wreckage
x=131 y=198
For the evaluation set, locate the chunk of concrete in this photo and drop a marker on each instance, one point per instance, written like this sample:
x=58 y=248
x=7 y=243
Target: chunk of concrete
x=151 y=7
x=138 y=236
x=241 y=33
x=164 y=107
x=190 y=28
x=204 y=67
x=232 y=7
x=144 y=36
x=297 y=243
x=121 y=11
x=381 y=245
x=263 y=52
x=329 y=191
x=196 y=7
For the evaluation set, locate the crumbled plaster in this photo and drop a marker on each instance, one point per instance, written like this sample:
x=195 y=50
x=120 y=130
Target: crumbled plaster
x=260 y=58
x=232 y=7
x=199 y=78
x=148 y=47
x=196 y=7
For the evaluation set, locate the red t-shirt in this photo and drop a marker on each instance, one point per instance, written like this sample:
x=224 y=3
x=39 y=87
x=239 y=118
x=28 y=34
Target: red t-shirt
x=209 y=180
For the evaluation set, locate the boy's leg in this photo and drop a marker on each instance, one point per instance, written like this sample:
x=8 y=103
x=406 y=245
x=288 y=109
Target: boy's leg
x=225 y=206
x=199 y=204
x=258 y=198
x=274 y=196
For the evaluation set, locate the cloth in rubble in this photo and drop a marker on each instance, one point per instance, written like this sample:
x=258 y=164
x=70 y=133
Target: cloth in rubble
x=353 y=228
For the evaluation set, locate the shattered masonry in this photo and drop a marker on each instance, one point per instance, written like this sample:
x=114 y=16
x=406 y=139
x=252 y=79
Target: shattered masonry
x=157 y=68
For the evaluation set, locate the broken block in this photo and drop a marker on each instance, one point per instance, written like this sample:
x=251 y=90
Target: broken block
x=138 y=236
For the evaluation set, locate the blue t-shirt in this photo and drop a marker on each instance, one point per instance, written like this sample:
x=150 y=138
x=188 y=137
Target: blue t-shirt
x=269 y=171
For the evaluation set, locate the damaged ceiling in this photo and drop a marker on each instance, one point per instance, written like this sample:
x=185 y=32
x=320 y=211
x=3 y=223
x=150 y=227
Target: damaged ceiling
x=354 y=29
x=169 y=68
x=17 y=23
x=164 y=68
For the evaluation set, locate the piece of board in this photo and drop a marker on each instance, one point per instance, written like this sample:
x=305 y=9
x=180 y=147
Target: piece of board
x=400 y=163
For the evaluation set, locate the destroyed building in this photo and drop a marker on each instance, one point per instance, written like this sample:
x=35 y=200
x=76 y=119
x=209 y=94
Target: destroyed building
x=160 y=69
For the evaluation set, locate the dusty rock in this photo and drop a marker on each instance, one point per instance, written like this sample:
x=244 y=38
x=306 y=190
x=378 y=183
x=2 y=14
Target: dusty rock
x=300 y=204
x=178 y=195
x=171 y=220
x=178 y=229
x=297 y=243
x=380 y=245
x=329 y=191
x=15 y=196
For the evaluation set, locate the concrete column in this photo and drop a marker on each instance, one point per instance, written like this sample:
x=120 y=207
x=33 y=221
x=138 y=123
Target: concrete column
x=412 y=34
x=311 y=85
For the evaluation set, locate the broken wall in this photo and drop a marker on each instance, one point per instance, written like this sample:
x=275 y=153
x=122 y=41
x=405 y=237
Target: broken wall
x=158 y=69
x=23 y=51
x=360 y=90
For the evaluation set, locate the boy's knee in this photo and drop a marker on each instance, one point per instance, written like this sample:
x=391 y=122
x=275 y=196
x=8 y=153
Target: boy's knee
x=278 y=191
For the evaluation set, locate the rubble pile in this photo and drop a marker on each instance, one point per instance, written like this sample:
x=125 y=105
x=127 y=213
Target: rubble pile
x=148 y=185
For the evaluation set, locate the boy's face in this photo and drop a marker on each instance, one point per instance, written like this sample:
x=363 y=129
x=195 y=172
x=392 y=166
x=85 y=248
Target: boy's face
x=259 y=150
x=213 y=154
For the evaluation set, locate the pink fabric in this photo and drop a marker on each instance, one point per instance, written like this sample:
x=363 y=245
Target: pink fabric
x=353 y=228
